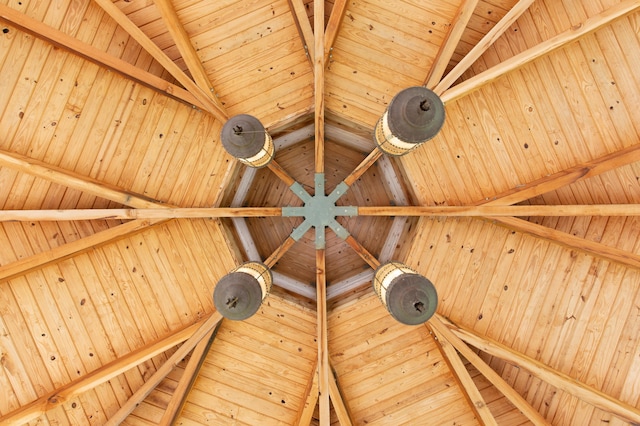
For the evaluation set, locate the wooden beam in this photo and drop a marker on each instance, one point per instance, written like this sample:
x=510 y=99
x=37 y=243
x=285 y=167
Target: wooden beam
x=547 y=374
x=346 y=285
x=293 y=285
x=65 y=251
x=148 y=45
x=393 y=238
x=186 y=382
x=451 y=41
x=362 y=252
x=103 y=374
x=318 y=84
x=504 y=211
x=135 y=400
x=331 y=32
x=279 y=252
x=95 y=55
x=341 y=409
x=304 y=28
x=561 y=40
x=481 y=47
x=166 y=213
x=323 y=346
x=306 y=411
x=474 y=397
x=363 y=166
x=589 y=247
x=281 y=173
x=516 y=399
x=73 y=180
x=571 y=175
x=186 y=49
x=246 y=240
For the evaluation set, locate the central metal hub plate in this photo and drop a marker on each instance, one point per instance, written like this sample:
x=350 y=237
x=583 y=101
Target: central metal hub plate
x=319 y=211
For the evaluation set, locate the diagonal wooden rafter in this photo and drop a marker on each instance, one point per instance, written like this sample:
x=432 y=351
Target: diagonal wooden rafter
x=180 y=394
x=452 y=39
x=486 y=42
x=553 y=377
x=311 y=401
x=592 y=248
x=97 y=377
x=304 y=28
x=476 y=401
x=185 y=47
x=97 y=56
x=206 y=98
x=203 y=330
x=333 y=25
x=437 y=324
x=571 y=175
x=561 y=40
x=338 y=402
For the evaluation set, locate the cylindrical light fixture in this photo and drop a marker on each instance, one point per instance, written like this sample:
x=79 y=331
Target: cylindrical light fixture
x=408 y=296
x=414 y=116
x=244 y=137
x=239 y=294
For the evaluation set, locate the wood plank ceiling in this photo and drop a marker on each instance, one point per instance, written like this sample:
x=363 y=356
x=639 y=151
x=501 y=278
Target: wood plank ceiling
x=118 y=105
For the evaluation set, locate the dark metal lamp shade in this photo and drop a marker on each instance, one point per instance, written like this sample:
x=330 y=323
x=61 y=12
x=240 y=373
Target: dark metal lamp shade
x=239 y=294
x=414 y=116
x=245 y=138
x=408 y=296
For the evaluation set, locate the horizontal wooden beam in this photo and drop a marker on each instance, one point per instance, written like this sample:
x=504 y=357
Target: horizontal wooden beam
x=573 y=34
x=103 y=374
x=592 y=248
x=474 y=54
x=205 y=98
x=562 y=178
x=95 y=55
x=505 y=211
x=166 y=213
x=74 y=248
x=549 y=375
x=438 y=324
x=202 y=331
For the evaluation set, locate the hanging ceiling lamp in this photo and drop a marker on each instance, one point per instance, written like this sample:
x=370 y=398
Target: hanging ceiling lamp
x=239 y=294
x=408 y=296
x=414 y=116
x=244 y=137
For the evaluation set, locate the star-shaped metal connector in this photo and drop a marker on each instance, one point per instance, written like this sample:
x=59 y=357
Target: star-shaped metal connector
x=319 y=211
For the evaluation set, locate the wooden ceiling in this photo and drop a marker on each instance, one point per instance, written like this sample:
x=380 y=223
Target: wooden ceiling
x=106 y=317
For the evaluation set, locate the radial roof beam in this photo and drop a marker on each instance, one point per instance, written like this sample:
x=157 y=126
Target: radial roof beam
x=476 y=401
x=95 y=55
x=186 y=382
x=451 y=41
x=103 y=374
x=318 y=84
x=306 y=411
x=331 y=32
x=339 y=405
x=516 y=399
x=571 y=175
x=554 y=377
x=481 y=47
x=304 y=28
x=592 y=248
x=186 y=49
x=203 y=330
x=561 y=40
x=206 y=98
x=323 y=346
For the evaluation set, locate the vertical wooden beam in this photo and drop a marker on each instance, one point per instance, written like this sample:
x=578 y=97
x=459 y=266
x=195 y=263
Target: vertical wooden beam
x=516 y=399
x=554 y=377
x=318 y=81
x=180 y=394
x=448 y=48
x=164 y=369
x=486 y=42
x=186 y=49
x=476 y=401
x=323 y=349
